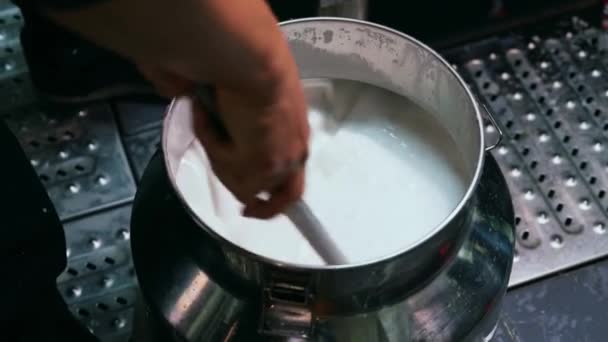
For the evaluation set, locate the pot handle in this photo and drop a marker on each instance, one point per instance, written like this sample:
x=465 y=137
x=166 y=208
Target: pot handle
x=499 y=136
x=286 y=306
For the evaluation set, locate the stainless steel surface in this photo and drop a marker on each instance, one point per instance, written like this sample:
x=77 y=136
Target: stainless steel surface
x=140 y=148
x=83 y=169
x=463 y=302
x=10 y=23
x=12 y=62
x=190 y=285
x=549 y=94
x=493 y=132
x=378 y=56
x=15 y=88
x=99 y=284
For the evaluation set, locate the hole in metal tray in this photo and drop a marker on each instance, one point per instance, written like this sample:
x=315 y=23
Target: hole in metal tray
x=533 y=164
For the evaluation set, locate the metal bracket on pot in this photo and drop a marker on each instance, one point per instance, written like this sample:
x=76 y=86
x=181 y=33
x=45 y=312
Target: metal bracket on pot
x=496 y=128
x=285 y=310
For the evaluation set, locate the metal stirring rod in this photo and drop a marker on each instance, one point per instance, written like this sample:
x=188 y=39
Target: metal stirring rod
x=299 y=213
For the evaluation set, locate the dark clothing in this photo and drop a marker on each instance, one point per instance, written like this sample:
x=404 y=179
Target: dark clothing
x=32 y=234
x=32 y=255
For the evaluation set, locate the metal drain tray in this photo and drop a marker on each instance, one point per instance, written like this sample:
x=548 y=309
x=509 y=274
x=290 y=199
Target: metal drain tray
x=78 y=156
x=99 y=284
x=550 y=96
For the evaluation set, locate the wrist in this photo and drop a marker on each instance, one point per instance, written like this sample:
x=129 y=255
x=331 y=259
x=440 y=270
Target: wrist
x=275 y=72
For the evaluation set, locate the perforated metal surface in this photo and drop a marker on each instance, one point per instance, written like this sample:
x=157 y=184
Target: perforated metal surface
x=80 y=159
x=549 y=95
x=99 y=284
x=78 y=156
x=15 y=90
x=141 y=148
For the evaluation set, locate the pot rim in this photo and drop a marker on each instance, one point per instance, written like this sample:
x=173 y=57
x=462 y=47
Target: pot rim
x=297 y=267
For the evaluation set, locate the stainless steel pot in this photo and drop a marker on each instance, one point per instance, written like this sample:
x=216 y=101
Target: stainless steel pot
x=447 y=287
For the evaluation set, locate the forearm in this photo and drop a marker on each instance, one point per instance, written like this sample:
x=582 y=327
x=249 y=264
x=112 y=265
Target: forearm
x=237 y=42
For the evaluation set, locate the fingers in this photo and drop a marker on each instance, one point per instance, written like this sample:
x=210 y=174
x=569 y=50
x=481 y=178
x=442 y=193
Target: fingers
x=280 y=199
x=245 y=187
x=266 y=151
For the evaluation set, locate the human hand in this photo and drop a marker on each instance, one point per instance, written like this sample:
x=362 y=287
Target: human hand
x=237 y=47
x=264 y=153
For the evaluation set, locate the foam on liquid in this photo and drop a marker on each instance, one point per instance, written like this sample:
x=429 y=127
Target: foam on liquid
x=377 y=182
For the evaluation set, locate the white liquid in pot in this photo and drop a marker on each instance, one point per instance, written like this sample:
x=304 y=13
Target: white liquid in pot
x=382 y=175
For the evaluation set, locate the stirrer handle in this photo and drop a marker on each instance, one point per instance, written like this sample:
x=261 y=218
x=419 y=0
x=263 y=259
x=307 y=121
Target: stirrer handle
x=313 y=231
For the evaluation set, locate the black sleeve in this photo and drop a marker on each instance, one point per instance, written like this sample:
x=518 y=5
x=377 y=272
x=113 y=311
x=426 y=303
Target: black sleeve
x=32 y=243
